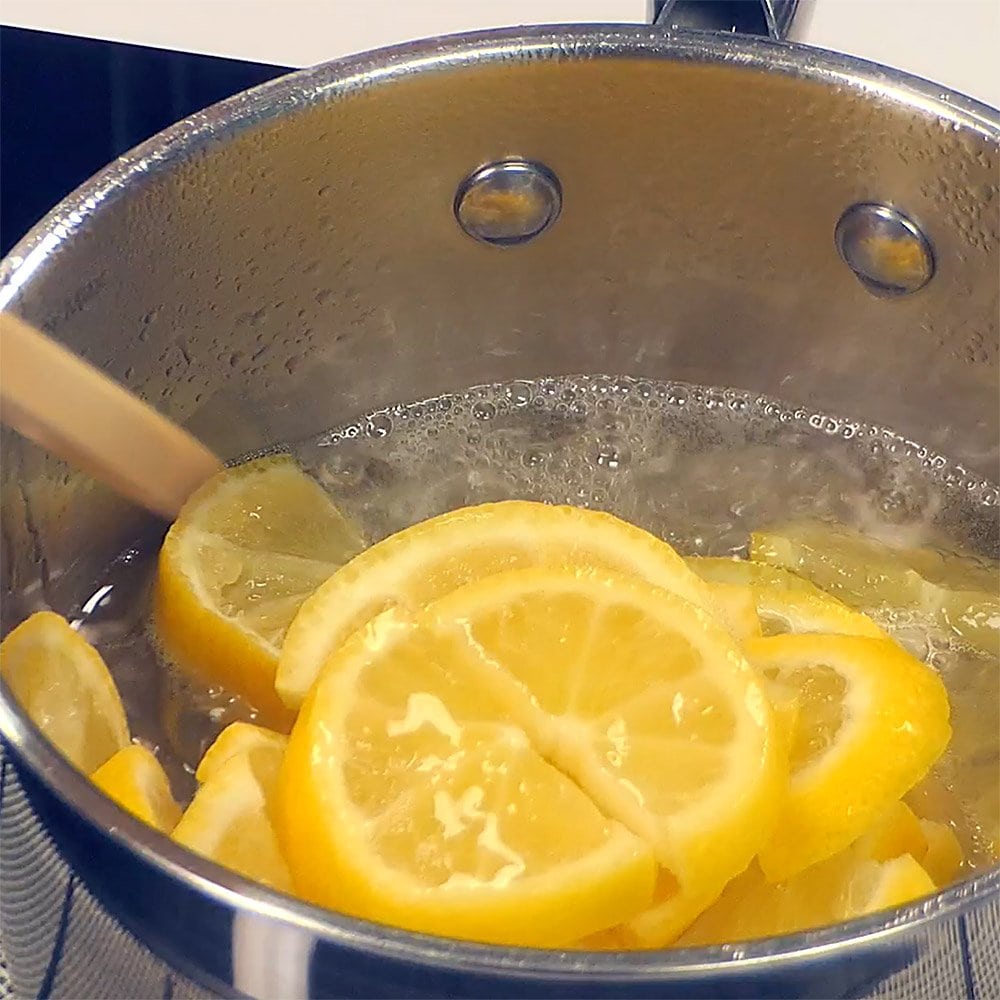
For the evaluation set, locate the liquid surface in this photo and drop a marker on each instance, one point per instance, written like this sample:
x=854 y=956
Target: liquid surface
x=700 y=467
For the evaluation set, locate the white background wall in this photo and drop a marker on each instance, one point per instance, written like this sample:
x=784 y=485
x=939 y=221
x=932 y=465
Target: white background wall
x=297 y=32
x=955 y=42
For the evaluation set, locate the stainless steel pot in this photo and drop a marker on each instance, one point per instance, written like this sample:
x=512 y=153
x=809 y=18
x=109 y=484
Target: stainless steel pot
x=291 y=258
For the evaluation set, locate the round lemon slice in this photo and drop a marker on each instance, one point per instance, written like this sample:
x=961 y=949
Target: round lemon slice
x=646 y=702
x=422 y=563
x=411 y=794
x=135 y=779
x=871 y=721
x=63 y=684
x=246 y=550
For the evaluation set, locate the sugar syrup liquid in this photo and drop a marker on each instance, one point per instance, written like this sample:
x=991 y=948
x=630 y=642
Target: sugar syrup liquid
x=699 y=466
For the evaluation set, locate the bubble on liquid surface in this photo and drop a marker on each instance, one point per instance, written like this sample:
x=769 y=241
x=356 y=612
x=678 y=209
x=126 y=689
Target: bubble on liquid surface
x=702 y=466
x=378 y=425
x=484 y=409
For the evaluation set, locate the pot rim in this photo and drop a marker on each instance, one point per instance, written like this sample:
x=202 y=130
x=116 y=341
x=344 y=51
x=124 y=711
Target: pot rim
x=328 y=83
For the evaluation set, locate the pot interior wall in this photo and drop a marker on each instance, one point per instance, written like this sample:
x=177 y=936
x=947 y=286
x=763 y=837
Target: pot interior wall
x=287 y=274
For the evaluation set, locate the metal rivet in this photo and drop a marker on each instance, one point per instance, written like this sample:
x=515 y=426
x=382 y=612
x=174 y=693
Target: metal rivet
x=508 y=202
x=887 y=252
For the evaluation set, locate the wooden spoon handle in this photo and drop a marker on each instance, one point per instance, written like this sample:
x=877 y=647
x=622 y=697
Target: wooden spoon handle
x=70 y=408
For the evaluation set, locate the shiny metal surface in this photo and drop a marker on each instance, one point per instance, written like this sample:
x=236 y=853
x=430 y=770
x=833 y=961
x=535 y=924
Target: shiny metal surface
x=509 y=202
x=777 y=15
x=886 y=250
x=265 y=270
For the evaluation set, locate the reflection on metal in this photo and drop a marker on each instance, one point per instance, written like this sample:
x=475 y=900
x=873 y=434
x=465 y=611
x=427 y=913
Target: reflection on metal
x=779 y=15
x=508 y=202
x=764 y=17
x=888 y=253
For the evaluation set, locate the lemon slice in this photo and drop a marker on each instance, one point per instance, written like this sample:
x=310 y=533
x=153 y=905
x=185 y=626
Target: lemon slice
x=229 y=819
x=425 y=562
x=629 y=677
x=744 y=573
x=800 y=612
x=135 y=779
x=897 y=831
x=878 y=871
x=957 y=593
x=736 y=606
x=411 y=794
x=843 y=887
x=62 y=683
x=672 y=912
x=673 y=908
x=239 y=738
x=872 y=719
x=246 y=550
x=783 y=601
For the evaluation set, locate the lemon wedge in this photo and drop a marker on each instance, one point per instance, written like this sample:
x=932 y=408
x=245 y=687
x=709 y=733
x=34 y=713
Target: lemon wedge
x=751 y=906
x=63 y=684
x=783 y=602
x=872 y=720
x=942 y=857
x=135 y=779
x=246 y=550
x=878 y=871
x=957 y=593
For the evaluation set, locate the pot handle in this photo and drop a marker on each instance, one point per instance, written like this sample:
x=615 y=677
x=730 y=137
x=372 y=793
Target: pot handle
x=713 y=15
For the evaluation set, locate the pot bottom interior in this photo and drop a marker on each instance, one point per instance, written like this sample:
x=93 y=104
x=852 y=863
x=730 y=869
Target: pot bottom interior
x=700 y=467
